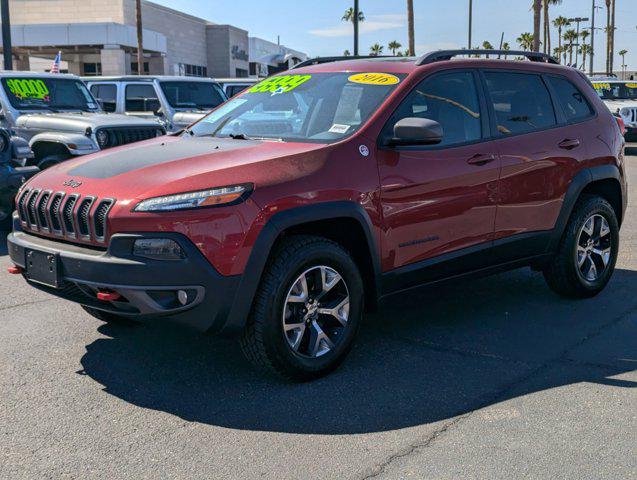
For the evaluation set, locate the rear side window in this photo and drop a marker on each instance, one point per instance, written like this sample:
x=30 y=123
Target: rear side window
x=450 y=99
x=141 y=98
x=522 y=102
x=107 y=95
x=571 y=99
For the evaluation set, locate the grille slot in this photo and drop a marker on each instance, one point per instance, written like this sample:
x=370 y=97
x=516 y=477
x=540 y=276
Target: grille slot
x=21 y=206
x=54 y=209
x=31 y=212
x=67 y=215
x=83 y=220
x=100 y=215
x=42 y=210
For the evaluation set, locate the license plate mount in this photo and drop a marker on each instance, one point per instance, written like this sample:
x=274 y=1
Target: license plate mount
x=43 y=268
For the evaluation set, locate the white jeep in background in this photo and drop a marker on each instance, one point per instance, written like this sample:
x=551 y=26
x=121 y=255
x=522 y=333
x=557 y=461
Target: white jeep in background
x=621 y=98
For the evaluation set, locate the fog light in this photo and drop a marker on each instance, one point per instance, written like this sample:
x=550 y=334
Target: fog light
x=182 y=296
x=158 y=249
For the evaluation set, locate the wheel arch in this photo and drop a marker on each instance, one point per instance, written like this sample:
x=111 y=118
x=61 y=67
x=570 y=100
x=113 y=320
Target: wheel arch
x=344 y=222
x=603 y=180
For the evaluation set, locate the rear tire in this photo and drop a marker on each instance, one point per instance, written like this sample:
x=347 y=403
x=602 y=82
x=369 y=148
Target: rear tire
x=586 y=257
x=306 y=311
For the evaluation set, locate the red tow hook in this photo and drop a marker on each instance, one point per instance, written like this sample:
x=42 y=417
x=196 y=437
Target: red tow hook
x=108 y=296
x=15 y=270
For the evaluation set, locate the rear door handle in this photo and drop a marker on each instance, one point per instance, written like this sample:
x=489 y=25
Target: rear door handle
x=569 y=144
x=480 y=159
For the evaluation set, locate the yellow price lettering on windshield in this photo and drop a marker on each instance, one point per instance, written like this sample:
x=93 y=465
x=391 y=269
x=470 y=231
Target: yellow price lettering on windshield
x=631 y=85
x=374 y=79
x=280 y=84
x=602 y=86
x=28 y=88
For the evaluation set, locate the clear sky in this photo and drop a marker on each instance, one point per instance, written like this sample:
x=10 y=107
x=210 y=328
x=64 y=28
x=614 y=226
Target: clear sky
x=315 y=26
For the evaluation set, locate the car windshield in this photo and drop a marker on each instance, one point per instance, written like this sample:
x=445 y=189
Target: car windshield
x=193 y=95
x=616 y=90
x=38 y=93
x=314 y=108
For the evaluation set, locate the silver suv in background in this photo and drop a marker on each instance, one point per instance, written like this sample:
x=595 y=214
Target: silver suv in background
x=60 y=118
x=175 y=101
x=234 y=86
x=620 y=96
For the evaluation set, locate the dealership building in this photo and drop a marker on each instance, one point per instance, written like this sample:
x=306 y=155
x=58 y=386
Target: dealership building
x=99 y=37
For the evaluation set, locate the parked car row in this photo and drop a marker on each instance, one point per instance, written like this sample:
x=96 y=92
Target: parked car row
x=621 y=99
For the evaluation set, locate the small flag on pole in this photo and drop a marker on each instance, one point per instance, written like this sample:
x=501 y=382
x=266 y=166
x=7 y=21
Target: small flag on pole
x=55 y=68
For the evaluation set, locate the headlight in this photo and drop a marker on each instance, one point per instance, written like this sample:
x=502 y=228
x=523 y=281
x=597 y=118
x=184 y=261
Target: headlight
x=102 y=138
x=158 y=249
x=204 y=198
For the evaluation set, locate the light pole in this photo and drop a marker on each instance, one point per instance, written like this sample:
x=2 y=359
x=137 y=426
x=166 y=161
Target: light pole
x=6 y=35
x=578 y=20
x=140 y=39
x=470 y=22
x=591 y=67
x=356 y=13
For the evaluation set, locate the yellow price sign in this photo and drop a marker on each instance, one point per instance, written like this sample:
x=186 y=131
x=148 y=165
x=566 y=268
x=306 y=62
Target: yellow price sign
x=602 y=86
x=280 y=84
x=374 y=79
x=631 y=85
x=28 y=88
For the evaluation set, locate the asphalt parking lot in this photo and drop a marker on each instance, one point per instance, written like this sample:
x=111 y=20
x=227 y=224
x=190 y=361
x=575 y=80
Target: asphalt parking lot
x=490 y=378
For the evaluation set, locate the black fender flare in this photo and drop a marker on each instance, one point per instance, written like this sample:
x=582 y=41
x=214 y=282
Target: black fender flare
x=580 y=181
x=251 y=277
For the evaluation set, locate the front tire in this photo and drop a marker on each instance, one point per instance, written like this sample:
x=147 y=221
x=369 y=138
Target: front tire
x=587 y=254
x=306 y=311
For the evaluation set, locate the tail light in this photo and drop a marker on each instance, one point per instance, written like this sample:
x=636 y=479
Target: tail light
x=622 y=125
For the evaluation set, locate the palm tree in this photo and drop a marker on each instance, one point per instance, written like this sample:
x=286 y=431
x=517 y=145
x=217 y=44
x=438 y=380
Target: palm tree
x=585 y=50
x=559 y=23
x=526 y=41
x=612 y=37
x=537 y=20
x=547 y=23
x=347 y=53
x=506 y=47
x=570 y=37
x=623 y=53
x=393 y=46
x=487 y=46
x=557 y=52
x=410 y=27
x=375 y=50
x=348 y=16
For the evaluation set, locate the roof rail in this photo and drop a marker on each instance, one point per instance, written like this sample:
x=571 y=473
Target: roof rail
x=442 y=55
x=320 y=60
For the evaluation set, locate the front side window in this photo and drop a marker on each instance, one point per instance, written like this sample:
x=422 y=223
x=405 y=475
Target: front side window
x=141 y=98
x=33 y=93
x=521 y=101
x=193 y=95
x=451 y=99
x=106 y=94
x=572 y=101
x=317 y=107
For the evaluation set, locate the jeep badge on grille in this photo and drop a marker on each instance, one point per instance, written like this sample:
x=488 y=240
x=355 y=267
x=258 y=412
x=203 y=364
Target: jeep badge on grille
x=72 y=183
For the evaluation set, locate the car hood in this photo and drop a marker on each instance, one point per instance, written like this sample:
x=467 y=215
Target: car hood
x=80 y=121
x=169 y=165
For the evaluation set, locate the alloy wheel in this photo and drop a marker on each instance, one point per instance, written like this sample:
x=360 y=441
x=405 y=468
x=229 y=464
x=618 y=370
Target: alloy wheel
x=594 y=248
x=316 y=312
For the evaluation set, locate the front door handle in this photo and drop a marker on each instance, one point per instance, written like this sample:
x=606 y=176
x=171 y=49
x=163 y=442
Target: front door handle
x=480 y=159
x=569 y=144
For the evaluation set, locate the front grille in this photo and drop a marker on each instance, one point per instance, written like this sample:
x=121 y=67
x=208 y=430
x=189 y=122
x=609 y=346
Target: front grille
x=122 y=136
x=70 y=216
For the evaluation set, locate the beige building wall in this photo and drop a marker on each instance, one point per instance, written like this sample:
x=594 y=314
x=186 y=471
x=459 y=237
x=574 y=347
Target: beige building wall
x=67 y=11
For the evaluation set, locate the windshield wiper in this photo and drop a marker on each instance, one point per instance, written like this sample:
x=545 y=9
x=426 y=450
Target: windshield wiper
x=239 y=136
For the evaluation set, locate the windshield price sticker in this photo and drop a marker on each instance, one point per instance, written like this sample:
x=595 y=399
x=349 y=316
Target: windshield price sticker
x=281 y=84
x=602 y=86
x=374 y=79
x=631 y=85
x=28 y=88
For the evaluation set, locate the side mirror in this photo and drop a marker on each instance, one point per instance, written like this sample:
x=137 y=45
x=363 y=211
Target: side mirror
x=417 y=131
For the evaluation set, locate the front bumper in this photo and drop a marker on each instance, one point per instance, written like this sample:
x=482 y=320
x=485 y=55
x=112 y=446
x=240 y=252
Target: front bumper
x=148 y=288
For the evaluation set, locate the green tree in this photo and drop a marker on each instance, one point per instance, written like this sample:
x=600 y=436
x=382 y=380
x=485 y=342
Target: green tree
x=348 y=16
x=547 y=23
x=537 y=21
x=585 y=51
x=570 y=37
x=347 y=53
x=526 y=41
x=487 y=46
x=376 y=50
x=506 y=47
x=623 y=53
x=410 y=28
x=560 y=23
x=393 y=46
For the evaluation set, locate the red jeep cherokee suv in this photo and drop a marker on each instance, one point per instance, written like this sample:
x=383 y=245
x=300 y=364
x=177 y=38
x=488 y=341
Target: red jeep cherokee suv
x=289 y=210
